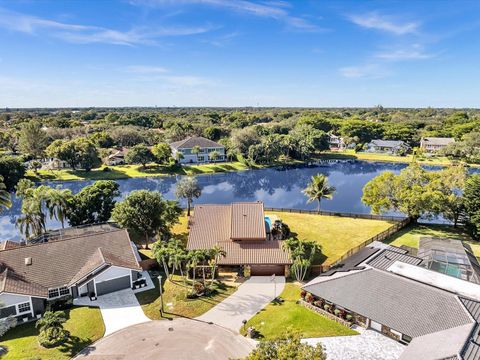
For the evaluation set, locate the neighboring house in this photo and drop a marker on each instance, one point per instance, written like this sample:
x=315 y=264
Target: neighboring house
x=54 y=164
x=434 y=144
x=388 y=146
x=243 y=231
x=116 y=158
x=206 y=147
x=90 y=264
x=336 y=142
x=386 y=289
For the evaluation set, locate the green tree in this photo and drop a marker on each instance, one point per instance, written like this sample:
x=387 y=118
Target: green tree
x=139 y=154
x=11 y=170
x=409 y=192
x=147 y=213
x=93 y=204
x=58 y=202
x=302 y=252
x=5 y=200
x=286 y=347
x=32 y=139
x=51 y=329
x=32 y=222
x=472 y=203
x=188 y=189
x=319 y=189
x=162 y=153
x=196 y=150
x=79 y=152
x=216 y=252
x=214 y=155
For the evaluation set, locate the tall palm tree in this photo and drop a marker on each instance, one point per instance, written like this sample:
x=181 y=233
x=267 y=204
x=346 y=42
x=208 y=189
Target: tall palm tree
x=5 y=200
x=216 y=252
x=194 y=258
x=318 y=189
x=32 y=221
x=57 y=202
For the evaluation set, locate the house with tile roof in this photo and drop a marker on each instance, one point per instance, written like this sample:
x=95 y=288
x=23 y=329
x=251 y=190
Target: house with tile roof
x=434 y=144
x=386 y=289
x=388 y=146
x=91 y=263
x=184 y=150
x=243 y=231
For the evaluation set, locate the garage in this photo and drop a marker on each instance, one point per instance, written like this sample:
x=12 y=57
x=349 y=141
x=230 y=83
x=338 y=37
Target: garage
x=108 y=286
x=266 y=270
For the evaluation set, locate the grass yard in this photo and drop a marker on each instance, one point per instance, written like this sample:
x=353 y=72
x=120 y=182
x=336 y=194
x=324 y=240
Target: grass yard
x=336 y=235
x=85 y=326
x=273 y=320
x=175 y=302
x=133 y=171
x=411 y=235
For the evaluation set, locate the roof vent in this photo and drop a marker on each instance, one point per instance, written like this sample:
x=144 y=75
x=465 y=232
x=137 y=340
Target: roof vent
x=28 y=261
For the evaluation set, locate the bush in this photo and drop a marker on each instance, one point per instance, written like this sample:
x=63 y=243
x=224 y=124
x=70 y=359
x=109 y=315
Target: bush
x=309 y=298
x=303 y=293
x=318 y=303
x=349 y=317
x=60 y=304
x=52 y=337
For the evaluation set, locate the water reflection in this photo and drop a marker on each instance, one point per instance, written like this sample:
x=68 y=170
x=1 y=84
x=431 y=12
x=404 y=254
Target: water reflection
x=275 y=187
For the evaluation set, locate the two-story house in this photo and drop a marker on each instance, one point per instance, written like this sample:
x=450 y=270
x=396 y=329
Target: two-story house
x=197 y=150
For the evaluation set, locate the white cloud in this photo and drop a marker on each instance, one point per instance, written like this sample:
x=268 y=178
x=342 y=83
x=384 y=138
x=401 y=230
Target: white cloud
x=76 y=33
x=413 y=53
x=372 y=71
x=145 y=69
x=272 y=9
x=376 y=21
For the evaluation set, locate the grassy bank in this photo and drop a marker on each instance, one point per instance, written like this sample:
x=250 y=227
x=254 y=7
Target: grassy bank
x=273 y=320
x=85 y=326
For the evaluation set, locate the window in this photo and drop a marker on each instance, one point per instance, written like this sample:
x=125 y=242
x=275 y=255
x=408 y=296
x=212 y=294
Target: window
x=52 y=293
x=25 y=307
x=64 y=291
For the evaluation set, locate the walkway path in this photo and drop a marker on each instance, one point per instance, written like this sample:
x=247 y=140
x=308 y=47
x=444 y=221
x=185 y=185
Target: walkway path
x=369 y=345
x=119 y=309
x=250 y=297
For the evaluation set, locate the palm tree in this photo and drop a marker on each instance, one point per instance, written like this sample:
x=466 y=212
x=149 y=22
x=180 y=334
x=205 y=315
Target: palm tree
x=161 y=252
x=214 y=155
x=57 y=202
x=196 y=150
x=32 y=222
x=5 y=200
x=176 y=256
x=216 y=252
x=188 y=188
x=318 y=189
x=51 y=320
x=194 y=258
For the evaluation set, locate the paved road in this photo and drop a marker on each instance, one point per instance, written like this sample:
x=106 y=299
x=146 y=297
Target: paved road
x=179 y=339
x=252 y=296
x=119 y=310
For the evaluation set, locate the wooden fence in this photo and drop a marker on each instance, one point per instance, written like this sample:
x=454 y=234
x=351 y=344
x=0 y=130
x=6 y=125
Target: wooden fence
x=318 y=269
x=342 y=214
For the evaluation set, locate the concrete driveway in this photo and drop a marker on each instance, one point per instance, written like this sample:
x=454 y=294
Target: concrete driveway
x=181 y=339
x=251 y=297
x=119 y=309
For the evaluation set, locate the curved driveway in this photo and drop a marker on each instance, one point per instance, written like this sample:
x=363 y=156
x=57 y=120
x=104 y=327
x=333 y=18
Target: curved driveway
x=177 y=339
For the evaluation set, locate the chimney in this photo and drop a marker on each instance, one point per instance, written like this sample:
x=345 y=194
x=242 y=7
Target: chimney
x=28 y=261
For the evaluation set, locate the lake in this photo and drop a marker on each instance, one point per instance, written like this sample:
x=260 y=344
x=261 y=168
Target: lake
x=276 y=187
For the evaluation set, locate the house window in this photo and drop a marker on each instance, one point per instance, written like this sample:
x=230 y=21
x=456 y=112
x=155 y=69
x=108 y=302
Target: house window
x=52 y=293
x=25 y=307
x=406 y=338
x=64 y=291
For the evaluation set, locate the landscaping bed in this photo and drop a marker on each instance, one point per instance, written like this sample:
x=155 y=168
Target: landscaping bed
x=272 y=321
x=176 y=303
x=84 y=324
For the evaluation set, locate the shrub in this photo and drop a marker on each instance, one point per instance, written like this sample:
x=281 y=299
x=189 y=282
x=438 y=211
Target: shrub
x=326 y=307
x=309 y=298
x=52 y=337
x=317 y=303
x=349 y=317
x=303 y=293
x=337 y=312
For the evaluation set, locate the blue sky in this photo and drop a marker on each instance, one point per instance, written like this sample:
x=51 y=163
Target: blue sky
x=239 y=53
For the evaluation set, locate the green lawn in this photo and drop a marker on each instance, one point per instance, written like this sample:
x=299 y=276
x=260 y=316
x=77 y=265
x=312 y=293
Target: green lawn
x=336 y=235
x=133 y=171
x=175 y=302
x=411 y=235
x=350 y=154
x=85 y=326
x=273 y=320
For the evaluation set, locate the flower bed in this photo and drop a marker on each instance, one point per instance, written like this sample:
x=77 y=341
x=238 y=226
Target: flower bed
x=325 y=313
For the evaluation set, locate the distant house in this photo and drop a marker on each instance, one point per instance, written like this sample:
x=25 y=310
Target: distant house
x=387 y=146
x=382 y=287
x=88 y=261
x=434 y=144
x=206 y=147
x=116 y=158
x=336 y=142
x=54 y=164
x=243 y=231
